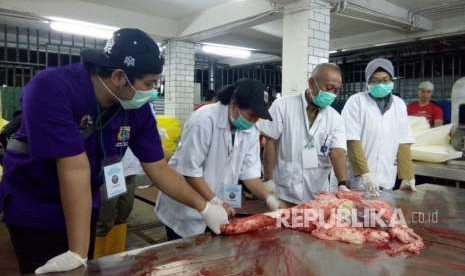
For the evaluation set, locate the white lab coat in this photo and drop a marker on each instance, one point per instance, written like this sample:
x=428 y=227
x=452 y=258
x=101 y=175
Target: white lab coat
x=206 y=150
x=290 y=126
x=380 y=135
x=131 y=165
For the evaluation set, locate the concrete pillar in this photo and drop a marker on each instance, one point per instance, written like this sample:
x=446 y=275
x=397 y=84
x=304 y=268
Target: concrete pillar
x=305 y=43
x=179 y=79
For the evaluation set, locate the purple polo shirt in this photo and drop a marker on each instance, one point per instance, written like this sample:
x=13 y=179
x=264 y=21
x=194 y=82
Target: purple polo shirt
x=56 y=104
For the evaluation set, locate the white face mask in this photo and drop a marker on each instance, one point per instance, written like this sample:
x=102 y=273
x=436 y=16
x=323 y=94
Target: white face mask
x=140 y=97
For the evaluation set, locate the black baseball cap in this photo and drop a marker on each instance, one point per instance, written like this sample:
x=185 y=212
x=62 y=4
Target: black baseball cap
x=254 y=92
x=132 y=50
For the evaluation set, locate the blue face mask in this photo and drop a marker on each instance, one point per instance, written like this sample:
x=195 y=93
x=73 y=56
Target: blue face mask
x=241 y=123
x=380 y=90
x=140 y=97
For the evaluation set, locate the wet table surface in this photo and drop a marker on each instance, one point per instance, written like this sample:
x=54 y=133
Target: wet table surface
x=287 y=252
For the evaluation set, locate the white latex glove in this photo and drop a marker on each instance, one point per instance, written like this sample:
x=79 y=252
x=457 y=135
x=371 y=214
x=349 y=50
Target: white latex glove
x=270 y=186
x=63 y=262
x=273 y=203
x=370 y=184
x=343 y=188
x=214 y=216
x=408 y=185
x=216 y=201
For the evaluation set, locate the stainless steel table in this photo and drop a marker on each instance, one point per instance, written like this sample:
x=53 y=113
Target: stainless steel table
x=287 y=252
x=440 y=170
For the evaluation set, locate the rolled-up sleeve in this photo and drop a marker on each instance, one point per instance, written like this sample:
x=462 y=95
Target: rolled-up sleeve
x=251 y=167
x=338 y=137
x=352 y=120
x=193 y=149
x=406 y=135
x=273 y=129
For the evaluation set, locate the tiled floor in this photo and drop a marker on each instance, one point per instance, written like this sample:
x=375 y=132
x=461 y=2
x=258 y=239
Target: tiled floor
x=143 y=230
x=143 y=227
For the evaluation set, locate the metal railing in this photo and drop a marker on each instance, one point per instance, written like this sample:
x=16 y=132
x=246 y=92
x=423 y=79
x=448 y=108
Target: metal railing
x=25 y=51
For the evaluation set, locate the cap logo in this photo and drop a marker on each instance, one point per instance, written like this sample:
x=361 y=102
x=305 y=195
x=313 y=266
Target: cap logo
x=129 y=61
x=109 y=45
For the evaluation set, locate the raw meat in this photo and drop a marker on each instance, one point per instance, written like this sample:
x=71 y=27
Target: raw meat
x=379 y=206
x=248 y=224
x=376 y=236
x=324 y=211
x=355 y=196
x=411 y=241
x=344 y=234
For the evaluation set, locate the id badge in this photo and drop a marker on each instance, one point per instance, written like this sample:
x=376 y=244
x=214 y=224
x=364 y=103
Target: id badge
x=233 y=195
x=310 y=158
x=115 y=183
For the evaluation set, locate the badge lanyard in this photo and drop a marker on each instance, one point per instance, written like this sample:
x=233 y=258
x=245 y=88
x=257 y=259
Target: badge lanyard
x=310 y=137
x=101 y=138
x=111 y=168
x=232 y=192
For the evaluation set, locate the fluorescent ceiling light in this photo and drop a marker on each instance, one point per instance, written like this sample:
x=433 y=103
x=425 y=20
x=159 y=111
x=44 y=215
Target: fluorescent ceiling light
x=227 y=50
x=81 y=28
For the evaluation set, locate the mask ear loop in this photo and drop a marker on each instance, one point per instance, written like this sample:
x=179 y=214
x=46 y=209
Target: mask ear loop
x=107 y=88
x=129 y=82
x=311 y=91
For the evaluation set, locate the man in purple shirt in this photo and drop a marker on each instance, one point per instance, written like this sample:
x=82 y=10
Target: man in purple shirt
x=50 y=189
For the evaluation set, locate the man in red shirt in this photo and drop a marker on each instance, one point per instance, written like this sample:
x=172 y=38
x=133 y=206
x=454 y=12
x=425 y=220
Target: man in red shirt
x=424 y=107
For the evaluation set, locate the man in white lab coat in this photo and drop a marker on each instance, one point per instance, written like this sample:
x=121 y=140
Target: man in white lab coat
x=219 y=146
x=306 y=139
x=378 y=133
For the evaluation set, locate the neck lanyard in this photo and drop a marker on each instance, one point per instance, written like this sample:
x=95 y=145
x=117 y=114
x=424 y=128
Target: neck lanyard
x=99 y=125
x=307 y=130
x=100 y=130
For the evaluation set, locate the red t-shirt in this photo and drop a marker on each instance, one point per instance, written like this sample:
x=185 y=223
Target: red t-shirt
x=431 y=111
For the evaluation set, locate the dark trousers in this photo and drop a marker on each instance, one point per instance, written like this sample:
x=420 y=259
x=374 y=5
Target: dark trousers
x=116 y=210
x=34 y=247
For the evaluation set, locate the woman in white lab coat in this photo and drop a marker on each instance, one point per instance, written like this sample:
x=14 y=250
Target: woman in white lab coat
x=219 y=146
x=378 y=134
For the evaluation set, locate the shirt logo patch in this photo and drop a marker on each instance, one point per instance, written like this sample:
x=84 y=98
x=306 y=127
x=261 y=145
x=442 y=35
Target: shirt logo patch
x=124 y=134
x=129 y=61
x=86 y=122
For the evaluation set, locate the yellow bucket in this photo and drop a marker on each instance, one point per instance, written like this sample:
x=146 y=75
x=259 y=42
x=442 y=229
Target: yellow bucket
x=114 y=242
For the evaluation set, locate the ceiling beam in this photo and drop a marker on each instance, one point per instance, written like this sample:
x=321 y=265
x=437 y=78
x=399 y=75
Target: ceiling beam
x=383 y=13
x=444 y=27
x=226 y=17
